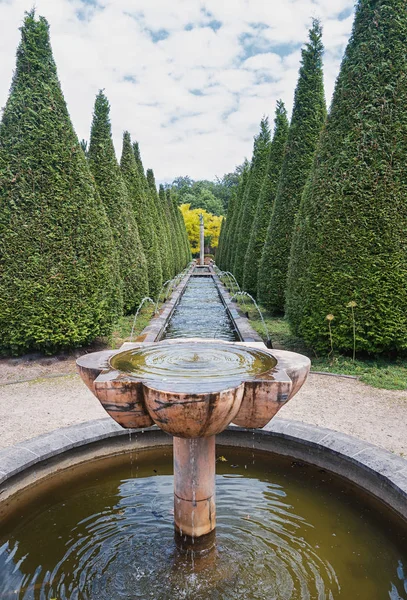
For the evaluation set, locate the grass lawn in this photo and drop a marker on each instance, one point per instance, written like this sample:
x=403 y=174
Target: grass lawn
x=379 y=372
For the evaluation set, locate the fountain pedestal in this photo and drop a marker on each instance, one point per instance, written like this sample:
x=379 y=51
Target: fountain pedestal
x=194 y=486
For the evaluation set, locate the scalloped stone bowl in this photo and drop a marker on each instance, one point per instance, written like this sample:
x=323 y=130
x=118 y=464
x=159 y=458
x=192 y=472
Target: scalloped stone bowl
x=193 y=388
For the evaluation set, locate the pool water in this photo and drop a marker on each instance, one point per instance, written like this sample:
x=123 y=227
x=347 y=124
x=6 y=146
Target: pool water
x=285 y=531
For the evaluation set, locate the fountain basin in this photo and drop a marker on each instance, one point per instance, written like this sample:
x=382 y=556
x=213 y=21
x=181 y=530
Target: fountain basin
x=193 y=388
x=124 y=527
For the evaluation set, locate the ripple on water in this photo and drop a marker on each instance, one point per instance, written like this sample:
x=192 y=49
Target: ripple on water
x=194 y=362
x=110 y=536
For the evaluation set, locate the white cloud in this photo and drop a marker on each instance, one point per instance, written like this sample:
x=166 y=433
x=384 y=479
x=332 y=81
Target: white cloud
x=190 y=79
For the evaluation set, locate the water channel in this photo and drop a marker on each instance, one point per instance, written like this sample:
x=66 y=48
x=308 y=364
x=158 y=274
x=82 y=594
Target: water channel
x=201 y=313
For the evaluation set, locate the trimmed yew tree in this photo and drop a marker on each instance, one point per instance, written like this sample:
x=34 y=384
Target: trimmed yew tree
x=162 y=199
x=222 y=239
x=233 y=217
x=163 y=241
x=349 y=253
x=185 y=252
x=142 y=210
x=308 y=117
x=266 y=202
x=58 y=283
x=176 y=234
x=113 y=192
x=250 y=199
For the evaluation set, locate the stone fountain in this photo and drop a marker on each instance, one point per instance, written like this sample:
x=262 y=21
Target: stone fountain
x=193 y=390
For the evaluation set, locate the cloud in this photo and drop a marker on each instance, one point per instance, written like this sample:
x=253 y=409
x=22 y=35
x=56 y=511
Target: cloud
x=190 y=79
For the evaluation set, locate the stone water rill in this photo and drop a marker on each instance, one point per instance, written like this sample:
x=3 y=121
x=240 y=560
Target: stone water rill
x=193 y=390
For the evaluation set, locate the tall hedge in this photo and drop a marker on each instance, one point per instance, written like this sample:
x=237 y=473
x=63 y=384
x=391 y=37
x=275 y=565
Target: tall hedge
x=265 y=204
x=162 y=234
x=233 y=218
x=162 y=199
x=176 y=236
x=308 y=117
x=219 y=249
x=185 y=251
x=250 y=199
x=115 y=197
x=349 y=254
x=142 y=211
x=58 y=284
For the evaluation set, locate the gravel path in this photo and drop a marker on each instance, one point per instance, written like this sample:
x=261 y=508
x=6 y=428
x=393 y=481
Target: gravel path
x=378 y=416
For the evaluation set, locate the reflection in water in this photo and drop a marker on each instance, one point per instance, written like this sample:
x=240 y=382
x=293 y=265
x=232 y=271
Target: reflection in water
x=200 y=313
x=284 y=531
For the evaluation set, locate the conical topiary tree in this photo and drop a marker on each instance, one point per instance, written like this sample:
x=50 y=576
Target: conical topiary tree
x=182 y=236
x=168 y=231
x=248 y=207
x=308 y=117
x=163 y=241
x=233 y=217
x=265 y=203
x=349 y=253
x=115 y=198
x=58 y=287
x=187 y=248
x=142 y=211
x=176 y=237
x=219 y=249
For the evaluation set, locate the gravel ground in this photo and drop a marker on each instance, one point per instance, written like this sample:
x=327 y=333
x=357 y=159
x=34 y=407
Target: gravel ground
x=38 y=406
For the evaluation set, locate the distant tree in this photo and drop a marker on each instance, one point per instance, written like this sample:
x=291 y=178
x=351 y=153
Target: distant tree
x=181 y=186
x=113 y=192
x=213 y=196
x=205 y=200
x=225 y=187
x=58 y=286
x=308 y=117
x=141 y=201
x=212 y=226
x=349 y=252
x=250 y=199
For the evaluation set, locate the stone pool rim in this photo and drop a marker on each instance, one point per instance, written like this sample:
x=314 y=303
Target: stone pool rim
x=374 y=470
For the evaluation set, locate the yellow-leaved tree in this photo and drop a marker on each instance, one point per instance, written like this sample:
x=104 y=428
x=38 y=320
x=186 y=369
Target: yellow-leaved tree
x=212 y=225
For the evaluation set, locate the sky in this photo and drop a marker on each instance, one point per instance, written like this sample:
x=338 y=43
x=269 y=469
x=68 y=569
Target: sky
x=189 y=79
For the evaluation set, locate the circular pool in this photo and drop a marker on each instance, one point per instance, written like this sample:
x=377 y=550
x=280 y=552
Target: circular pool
x=287 y=530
